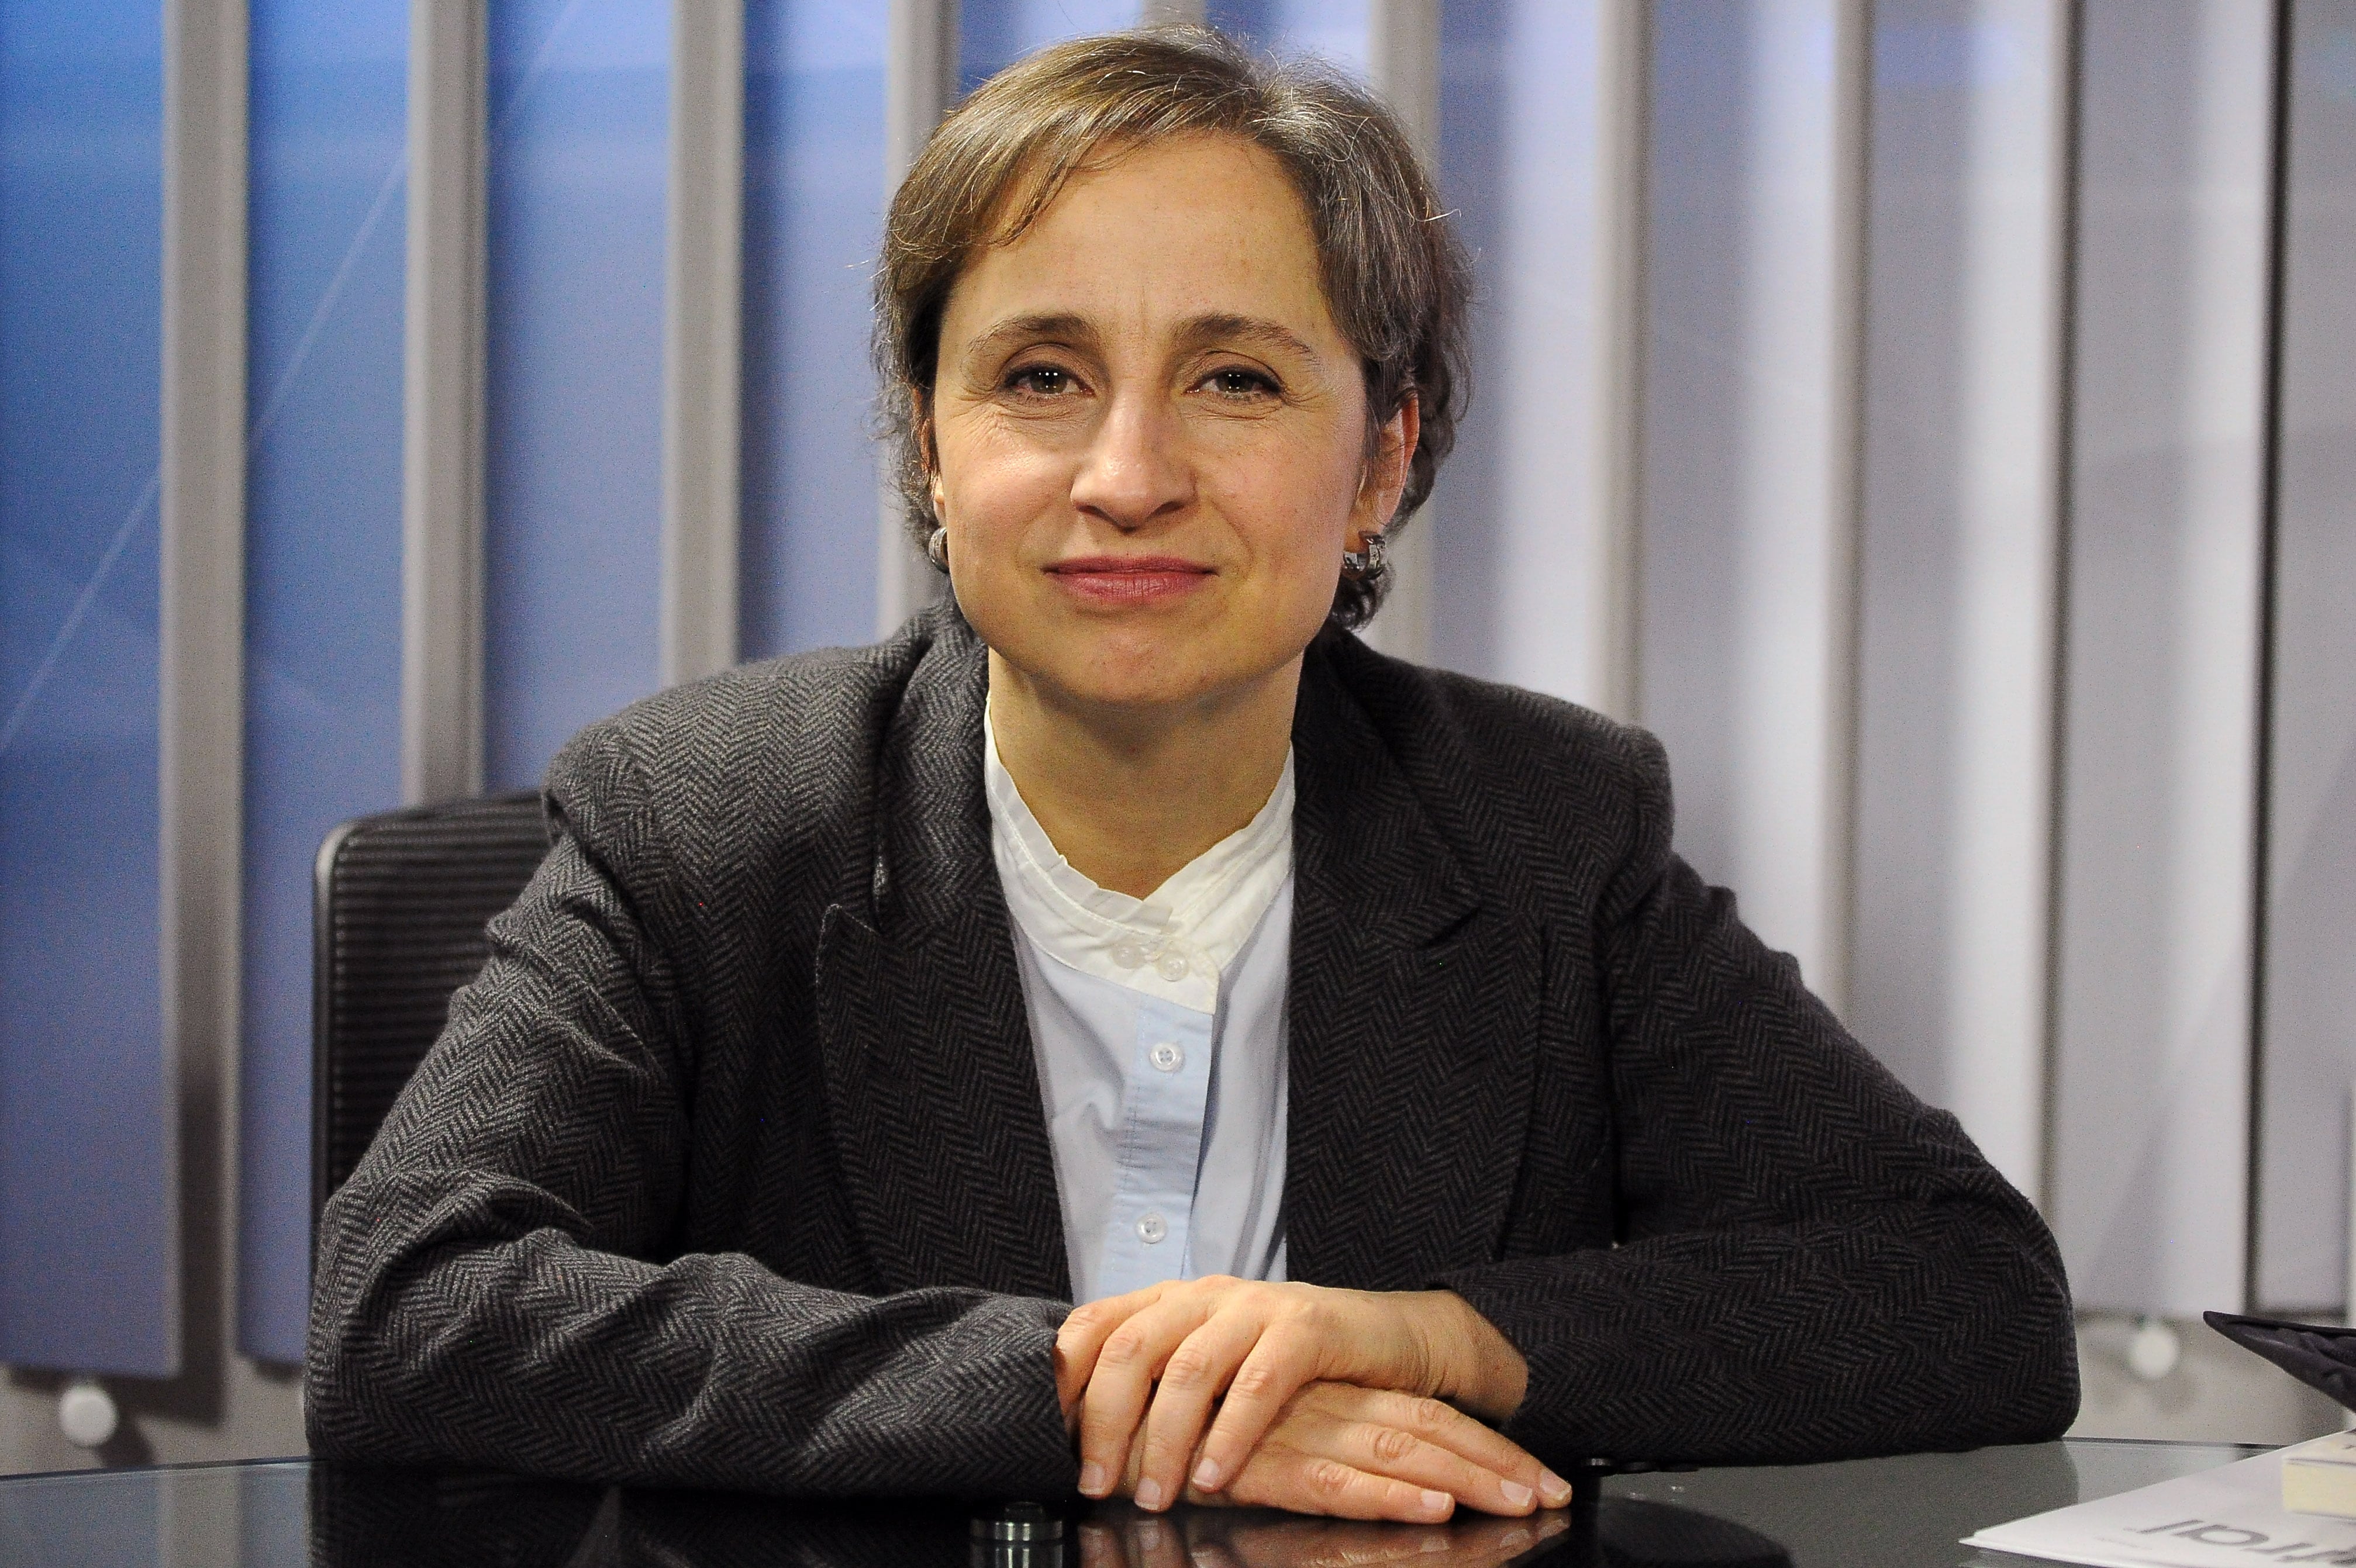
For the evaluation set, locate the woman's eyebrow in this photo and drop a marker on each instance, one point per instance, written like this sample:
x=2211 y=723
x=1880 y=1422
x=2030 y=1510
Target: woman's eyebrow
x=1205 y=330
x=1014 y=329
x=1194 y=333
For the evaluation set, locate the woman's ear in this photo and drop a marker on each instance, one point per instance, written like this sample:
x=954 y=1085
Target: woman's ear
x=920 y=407
x=1394 y=456
x=1399 y=438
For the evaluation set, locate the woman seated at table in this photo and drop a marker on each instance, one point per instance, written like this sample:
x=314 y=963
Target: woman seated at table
x=1346 y=1035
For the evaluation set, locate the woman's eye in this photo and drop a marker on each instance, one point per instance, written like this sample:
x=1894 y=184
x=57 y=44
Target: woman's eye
x=1240 y=383
x=1041 y=380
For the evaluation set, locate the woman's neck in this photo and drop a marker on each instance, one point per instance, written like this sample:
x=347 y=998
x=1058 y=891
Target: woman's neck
x=1129 y=799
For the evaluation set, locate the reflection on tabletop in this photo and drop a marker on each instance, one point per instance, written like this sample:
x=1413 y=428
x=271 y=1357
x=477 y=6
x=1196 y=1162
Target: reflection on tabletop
x=362 y=1519
x=1222 y=1538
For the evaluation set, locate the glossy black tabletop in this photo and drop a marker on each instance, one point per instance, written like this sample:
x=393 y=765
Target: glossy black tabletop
x=270 y=1514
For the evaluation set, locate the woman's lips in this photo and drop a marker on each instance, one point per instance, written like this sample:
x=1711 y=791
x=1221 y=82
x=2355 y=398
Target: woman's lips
x=1130 y=579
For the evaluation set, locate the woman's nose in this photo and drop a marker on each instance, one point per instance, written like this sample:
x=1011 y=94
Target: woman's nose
x=1135 y=472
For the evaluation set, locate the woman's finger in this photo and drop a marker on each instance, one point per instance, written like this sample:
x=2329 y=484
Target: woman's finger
x=1382 y=1448
x=1121 y=1383
x=1286 y=1358
x=1082 y=1335
x=1332 y=1434
x=1420 y=1443
x=1192 y=1377
x=1446 y=1427
x=1286 y=1477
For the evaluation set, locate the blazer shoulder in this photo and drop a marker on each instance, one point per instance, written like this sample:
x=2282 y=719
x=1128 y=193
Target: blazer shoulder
x=1497 y=739
x=1556 y=808
x=765 y=770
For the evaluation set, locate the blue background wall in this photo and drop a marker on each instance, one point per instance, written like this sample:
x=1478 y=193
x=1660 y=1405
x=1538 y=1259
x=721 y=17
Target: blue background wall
x=580 y=120
x=326 y=209
x=86 y=1180
x=995 y=33
x=1335 y=29
x=813 y=216
x=573 y=555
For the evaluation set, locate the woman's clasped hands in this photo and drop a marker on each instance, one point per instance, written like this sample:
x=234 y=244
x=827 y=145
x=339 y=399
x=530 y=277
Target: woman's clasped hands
x=1359 y=1404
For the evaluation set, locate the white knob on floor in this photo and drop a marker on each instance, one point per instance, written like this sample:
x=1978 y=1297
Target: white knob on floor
x=2153 y=1350
x=86 y=1414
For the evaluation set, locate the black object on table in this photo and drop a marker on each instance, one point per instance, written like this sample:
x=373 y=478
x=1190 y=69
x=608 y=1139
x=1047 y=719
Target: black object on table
x=2320 y=1355
x=1907 y=1512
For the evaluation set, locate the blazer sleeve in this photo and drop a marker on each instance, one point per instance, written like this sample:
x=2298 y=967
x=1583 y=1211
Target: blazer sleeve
x=487 y=1291
x=1811 y=1264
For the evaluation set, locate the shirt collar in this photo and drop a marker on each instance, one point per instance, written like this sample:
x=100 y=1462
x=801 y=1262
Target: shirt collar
x=1175 y=944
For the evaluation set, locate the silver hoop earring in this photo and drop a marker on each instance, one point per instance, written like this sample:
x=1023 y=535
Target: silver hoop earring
x=1366 y=565
x=938 y=548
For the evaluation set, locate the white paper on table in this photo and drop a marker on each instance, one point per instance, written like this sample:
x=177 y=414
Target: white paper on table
x=2231 y=1517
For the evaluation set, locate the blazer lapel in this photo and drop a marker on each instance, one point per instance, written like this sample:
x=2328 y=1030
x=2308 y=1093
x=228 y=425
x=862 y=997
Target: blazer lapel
x=930 y=1081
x=1412 y=1013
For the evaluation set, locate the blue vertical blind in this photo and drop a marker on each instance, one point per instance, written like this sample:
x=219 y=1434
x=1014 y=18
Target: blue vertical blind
x=1334 y=30
x=573 y=548
x=87 y=1197
x=1518 y=149
x=813 y=219
x=326 y=204
x=994 y=34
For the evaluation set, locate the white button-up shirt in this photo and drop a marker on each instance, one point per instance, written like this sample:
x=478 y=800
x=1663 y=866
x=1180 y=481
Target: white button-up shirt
x=1159 y=1028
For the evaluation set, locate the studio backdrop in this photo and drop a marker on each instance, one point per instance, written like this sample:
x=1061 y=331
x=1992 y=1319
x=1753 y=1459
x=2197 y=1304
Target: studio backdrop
x=1936 y=419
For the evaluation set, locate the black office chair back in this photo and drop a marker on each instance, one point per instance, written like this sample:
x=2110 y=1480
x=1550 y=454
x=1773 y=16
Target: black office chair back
x=398 y=905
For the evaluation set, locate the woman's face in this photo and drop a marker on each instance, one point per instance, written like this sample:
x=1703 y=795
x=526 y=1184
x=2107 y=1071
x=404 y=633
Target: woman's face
x=1151 y=436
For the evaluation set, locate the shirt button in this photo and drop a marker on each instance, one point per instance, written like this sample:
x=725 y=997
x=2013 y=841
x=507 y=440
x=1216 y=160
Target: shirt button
x=1127 y=955
x=1172 y=967
x=1166 y=1057
x=1152 y=1227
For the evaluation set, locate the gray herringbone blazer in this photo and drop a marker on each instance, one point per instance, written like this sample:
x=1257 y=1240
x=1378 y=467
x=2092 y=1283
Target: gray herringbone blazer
x=731 y=1170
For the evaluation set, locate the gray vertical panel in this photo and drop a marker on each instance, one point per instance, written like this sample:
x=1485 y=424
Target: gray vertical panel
x=703 y=337
x=1750 y=453
x=1544 y=168
x=2311 y=979
x=202 y=498
x=1403 y=50
x=87 y=1178
x=441 y=398
x=920 y=78
x=1615 y=489
x=2153 y=993
x=1955 y=651
x=579 y=94
x=920 y=64
x=1844 y=462
x=813 y=203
